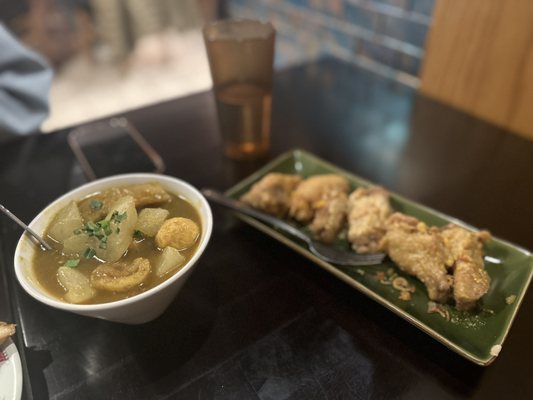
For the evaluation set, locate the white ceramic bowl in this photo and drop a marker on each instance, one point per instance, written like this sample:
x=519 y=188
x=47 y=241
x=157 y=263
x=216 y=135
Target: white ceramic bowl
x=138 y=309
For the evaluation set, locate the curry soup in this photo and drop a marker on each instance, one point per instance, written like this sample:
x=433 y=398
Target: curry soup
x=95 y=277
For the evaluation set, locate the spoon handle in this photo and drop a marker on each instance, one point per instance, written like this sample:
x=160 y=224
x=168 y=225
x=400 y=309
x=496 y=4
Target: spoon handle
x=235 y=205
x=25 y=227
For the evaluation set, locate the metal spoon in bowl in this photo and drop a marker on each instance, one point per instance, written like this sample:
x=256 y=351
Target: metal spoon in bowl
x=325 y=252
x=41 y=241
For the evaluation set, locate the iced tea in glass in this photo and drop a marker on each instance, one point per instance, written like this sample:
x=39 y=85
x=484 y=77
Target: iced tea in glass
x=240 y=54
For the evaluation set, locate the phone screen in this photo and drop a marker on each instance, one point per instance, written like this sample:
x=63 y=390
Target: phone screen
x=113 y=147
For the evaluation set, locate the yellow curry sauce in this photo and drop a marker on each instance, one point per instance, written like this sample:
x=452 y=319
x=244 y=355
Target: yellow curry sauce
x=46 y=263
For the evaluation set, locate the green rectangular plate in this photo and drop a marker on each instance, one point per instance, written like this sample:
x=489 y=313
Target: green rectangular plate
x=476 y=336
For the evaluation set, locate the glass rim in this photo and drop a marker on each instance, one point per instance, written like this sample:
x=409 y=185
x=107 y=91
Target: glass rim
x=270 y=31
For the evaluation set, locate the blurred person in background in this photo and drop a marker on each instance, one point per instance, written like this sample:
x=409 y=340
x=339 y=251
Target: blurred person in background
x=25 y=80
x=90 y=43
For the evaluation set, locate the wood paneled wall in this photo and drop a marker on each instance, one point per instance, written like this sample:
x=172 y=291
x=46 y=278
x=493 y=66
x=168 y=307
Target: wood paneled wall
x=479 y=58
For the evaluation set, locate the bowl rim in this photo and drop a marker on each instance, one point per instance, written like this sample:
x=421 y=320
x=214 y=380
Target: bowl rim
x=206 y=234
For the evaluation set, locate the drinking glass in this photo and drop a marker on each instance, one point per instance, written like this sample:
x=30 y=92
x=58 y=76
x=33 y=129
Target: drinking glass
x=240 y=54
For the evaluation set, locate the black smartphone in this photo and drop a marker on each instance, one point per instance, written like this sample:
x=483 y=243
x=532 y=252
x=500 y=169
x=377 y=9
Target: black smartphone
x=113 y=147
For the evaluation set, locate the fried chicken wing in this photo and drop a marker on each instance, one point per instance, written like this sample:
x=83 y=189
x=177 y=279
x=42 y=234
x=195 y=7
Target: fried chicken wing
x=419 y=251
x=329 y=217
x=368 y=209
x=323 y=200
x=471 y=280
x=272 y=194
x=309 y=195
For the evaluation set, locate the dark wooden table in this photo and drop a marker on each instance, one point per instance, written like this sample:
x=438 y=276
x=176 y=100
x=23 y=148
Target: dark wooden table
x=256 y=320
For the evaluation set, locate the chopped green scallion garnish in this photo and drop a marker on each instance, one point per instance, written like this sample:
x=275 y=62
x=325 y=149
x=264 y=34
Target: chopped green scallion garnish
x=138 y=235
x=117 y=217
x=102 y=229
x=72 y=263
x=105 y=226
x=92 y=226
x=89 y=253
x=96 y=204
